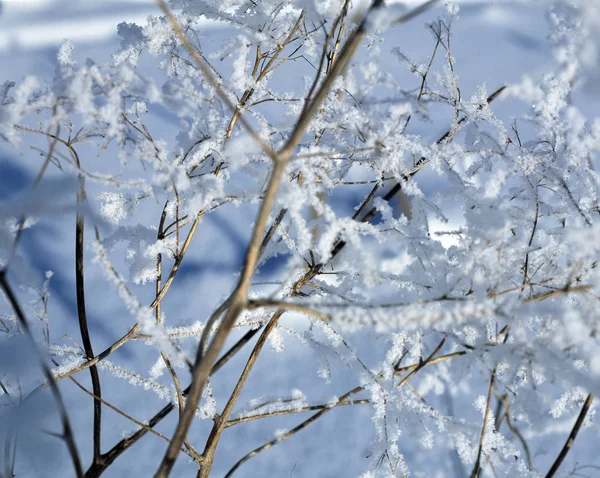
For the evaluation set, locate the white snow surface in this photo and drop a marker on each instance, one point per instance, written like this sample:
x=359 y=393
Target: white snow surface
x=495 y=42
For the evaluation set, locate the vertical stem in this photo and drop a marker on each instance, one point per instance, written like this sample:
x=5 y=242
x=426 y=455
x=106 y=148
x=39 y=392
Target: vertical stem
x=477 y=467
x=82 y=316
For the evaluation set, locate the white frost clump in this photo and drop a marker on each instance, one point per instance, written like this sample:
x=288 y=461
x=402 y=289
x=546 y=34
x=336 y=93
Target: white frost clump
x=208 y=409
x=116 y=207
x=65 y=54
x=568 y=401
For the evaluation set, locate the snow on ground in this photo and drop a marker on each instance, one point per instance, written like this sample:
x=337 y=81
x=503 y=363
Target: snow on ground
x=495 y=42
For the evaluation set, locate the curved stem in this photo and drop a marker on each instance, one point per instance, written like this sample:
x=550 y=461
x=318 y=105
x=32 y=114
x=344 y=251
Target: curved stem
x=571 y=439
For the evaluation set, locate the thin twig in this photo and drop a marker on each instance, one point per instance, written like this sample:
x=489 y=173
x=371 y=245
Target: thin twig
x=477 y=466
x=204 y=362
x=67 y=430
x=82 y=316
x=308 y=408
x=422 y=364
x=571 y=439
x=121 y=447
x=512 y=427
x=264 y=71
x=209 y=75
x=221 y=422
x=533 y=230
x=289 y=433
x=157 y=311
x=122 y=413
x=322 y=412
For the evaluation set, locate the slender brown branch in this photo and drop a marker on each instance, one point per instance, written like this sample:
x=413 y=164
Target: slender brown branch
x=308 y=408
x=535 y=221
x=223 y=307
x=430 y=361
x=157 y=311
x=422 y=364
x=289 y=433
x=477 y=466
x=322 y=412
x=83 y=323
x=121 y=447
x=399 y=370
x=204 y=363
x=571 y=439
x=512 y=427
x=67 y=430
x=131 y=334
x=213 y=80
x=264 y=71
x=221 y=422
x=258 y=304
x=178 y=260
x=120 y=412
x=424 y=76
x=48 y=155
x=565 y=290
x=239 y=298
x=339 y=18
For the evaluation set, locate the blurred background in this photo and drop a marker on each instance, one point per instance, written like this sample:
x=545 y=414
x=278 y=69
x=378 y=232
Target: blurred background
x=495 y=43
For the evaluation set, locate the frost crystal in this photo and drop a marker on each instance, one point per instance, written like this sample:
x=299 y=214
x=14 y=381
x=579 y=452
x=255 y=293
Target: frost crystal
x=302 y=214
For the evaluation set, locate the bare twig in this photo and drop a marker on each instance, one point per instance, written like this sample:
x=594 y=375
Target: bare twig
x=477 y=466
x=121 y=447
x=67 y=430
x=158 y=316
x=214 y=81
x=535 y=221
x=261 y=75
x=571 y=439
x=316 y=416
x=308 y=408
x=81 y=309
x=239 y=297
x=422 y=364
x=290 y=433
x=512 y=427
x=554 y=293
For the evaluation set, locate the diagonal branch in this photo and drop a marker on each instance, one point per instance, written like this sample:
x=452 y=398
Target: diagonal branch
x=571 y=439
x=67 y=430
x=110 y=456
x=239 y=299
x=208 y=74
x=342 y=400
x=125 y=444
